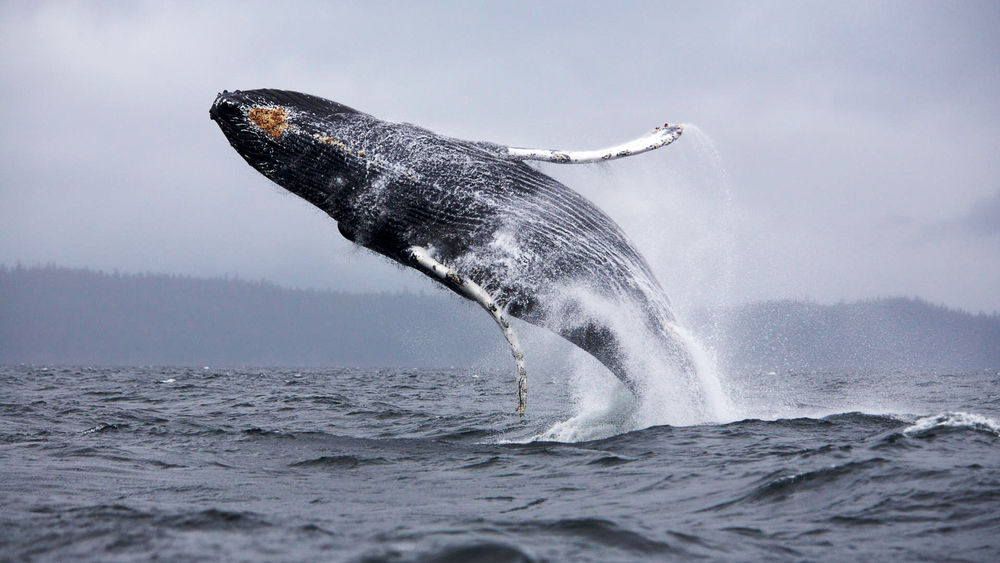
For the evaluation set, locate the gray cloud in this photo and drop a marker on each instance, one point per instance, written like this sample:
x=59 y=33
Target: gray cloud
x=829 y=117
x=984 y=217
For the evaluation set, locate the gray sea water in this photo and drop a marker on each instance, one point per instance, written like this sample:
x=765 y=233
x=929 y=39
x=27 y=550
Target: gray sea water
x=198 y=464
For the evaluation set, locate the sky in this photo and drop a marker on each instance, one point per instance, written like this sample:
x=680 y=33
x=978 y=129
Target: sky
x=837 y=150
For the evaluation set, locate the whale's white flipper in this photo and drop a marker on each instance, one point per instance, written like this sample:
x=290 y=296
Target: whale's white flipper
x=422 y=258
x=659 y=137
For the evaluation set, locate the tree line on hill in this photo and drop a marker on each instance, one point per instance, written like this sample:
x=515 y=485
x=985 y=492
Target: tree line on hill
x=54 y=315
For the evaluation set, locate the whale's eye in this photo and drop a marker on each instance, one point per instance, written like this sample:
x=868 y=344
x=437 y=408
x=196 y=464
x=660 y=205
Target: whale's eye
x=270 y=120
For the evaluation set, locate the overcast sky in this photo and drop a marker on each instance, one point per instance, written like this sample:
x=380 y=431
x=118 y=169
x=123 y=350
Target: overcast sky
x=841 y=151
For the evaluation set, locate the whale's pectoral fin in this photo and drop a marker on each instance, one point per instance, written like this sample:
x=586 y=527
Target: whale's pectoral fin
x=422 y=259
x=659 y=137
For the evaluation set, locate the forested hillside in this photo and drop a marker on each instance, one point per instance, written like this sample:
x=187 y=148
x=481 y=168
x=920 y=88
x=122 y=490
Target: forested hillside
x=73 y=316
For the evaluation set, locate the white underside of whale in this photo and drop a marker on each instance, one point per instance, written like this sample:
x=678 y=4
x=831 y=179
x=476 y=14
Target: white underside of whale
x=659 y=137
x=470 y=289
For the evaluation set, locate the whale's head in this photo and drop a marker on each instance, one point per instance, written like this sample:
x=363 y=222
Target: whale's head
x=291 y=138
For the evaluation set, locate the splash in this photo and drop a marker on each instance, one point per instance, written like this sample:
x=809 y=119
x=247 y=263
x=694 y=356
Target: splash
x=666 y=394
x=681 y=218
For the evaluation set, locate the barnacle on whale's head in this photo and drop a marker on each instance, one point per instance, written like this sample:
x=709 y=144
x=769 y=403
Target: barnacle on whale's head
x=271 y=120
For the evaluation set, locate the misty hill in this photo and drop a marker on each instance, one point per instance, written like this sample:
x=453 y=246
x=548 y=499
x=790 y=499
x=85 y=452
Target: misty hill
x=72 y=316
x=887 y=334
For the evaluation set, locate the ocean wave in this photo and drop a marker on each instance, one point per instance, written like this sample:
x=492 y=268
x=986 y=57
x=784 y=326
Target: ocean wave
x=956 y=420
x=105 y=427
x=340 y=462
x=215 y=519
x=782 y=487
x=601 y=531
x=478 y=551
x=778 y=486
x=577 y=430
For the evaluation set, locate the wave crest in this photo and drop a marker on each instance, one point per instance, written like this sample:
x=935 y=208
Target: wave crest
x=957 y=419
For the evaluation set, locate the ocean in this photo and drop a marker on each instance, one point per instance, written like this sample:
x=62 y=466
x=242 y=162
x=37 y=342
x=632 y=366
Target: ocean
x=208 y=464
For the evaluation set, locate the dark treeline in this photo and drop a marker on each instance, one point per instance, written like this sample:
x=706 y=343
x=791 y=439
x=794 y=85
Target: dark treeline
x=70 y=316
x=73 y=316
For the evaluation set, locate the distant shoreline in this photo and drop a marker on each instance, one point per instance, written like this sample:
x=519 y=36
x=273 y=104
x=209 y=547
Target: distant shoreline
x=52 y=315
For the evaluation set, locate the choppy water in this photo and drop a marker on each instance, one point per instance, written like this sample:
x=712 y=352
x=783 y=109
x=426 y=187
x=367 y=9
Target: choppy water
x=203 y=464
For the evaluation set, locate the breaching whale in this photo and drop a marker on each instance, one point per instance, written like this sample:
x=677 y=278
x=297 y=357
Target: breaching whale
x=470 y=215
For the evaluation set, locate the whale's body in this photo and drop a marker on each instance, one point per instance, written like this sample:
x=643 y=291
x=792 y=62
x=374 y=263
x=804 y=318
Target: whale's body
x=474 y=210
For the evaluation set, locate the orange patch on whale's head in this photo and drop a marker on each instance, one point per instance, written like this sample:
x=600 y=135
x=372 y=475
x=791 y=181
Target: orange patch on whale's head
x=270 y=120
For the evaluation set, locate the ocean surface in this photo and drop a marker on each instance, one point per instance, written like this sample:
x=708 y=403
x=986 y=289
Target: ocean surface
x=190 y=464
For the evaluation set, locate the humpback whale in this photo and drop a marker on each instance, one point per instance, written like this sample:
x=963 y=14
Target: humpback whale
x=471 y=215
